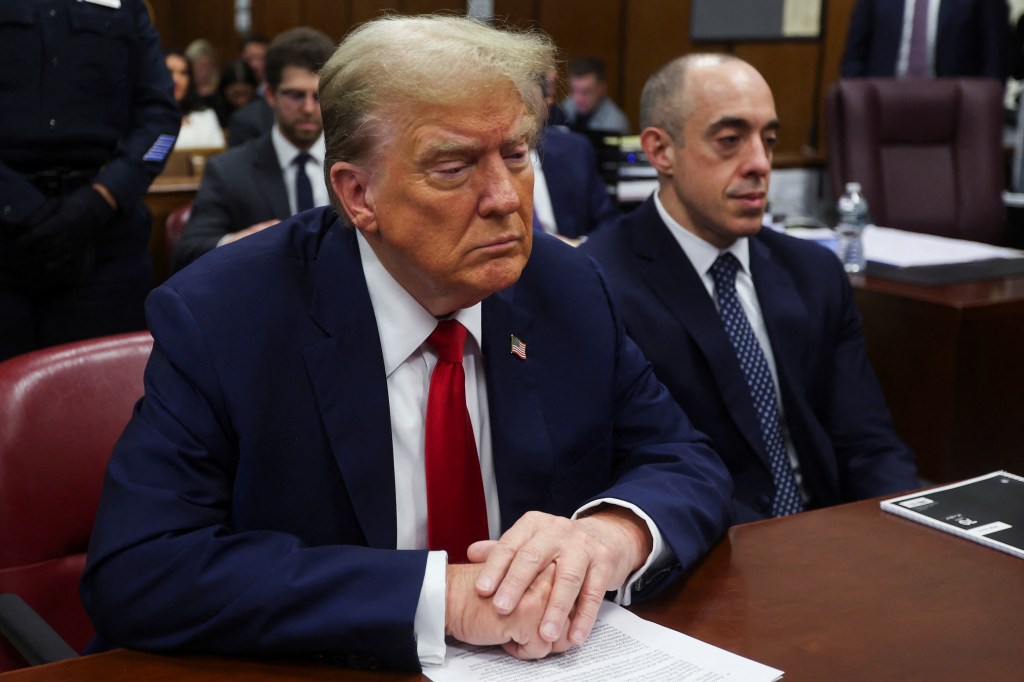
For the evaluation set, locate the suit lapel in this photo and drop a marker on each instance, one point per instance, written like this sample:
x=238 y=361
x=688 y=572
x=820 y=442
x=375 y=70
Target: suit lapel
x=556 y=174
x=346 y=371
x=673 y=279
x=521 y=445
x=785 y=317
x=269 y=179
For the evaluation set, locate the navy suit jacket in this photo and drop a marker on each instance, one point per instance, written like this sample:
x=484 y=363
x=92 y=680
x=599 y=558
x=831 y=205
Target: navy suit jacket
x=579 y=196
x=240 y=187
x=833 y=406
x=971 y=39
x=249 y=507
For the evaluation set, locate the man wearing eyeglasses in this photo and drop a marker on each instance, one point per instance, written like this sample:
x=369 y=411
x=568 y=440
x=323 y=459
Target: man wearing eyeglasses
x=252 y=187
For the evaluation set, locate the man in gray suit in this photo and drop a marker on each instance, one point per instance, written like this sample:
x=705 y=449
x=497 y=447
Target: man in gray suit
x=254 y=186
x=588 y=106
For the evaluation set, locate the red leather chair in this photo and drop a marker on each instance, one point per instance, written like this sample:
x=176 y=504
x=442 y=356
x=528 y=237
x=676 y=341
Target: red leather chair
x=927 y=152
x=61 y=411
x=173 y=227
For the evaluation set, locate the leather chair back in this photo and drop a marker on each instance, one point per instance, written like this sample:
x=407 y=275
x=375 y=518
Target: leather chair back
x=927 y=153
x=173 y=227
x=61 y=411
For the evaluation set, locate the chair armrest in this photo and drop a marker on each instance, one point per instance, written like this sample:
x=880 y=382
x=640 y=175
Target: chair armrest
x=1013 y=199
x=34 y=639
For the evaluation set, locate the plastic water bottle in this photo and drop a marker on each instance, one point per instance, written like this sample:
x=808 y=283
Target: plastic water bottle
x=853 y=217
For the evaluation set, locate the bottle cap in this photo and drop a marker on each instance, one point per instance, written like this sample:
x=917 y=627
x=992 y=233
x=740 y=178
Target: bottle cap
x=852 y=187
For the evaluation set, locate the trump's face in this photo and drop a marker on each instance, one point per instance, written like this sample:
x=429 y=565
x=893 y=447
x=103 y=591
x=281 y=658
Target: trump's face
x=446 y=199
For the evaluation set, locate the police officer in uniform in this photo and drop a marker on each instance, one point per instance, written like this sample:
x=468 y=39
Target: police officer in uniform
x=87 y=119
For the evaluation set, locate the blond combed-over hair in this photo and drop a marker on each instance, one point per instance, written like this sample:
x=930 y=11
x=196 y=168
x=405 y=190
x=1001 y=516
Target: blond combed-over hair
x=386 y=68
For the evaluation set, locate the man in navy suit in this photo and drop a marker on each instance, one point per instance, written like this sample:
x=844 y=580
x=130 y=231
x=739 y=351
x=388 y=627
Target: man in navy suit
x=961 y=38
x=249 y=188
x=271 y=495
x=577 y=198
x=709 y=127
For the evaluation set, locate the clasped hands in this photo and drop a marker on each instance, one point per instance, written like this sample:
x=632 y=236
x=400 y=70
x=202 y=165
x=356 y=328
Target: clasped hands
x=537 y=590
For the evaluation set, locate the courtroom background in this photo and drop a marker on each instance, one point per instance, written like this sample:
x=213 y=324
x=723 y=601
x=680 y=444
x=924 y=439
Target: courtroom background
x=633 y=36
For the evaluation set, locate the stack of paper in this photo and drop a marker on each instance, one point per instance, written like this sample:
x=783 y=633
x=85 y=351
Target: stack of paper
x=622 y=647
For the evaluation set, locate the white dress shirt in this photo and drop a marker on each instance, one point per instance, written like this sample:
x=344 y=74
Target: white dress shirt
x=543 y=210
x=404 y=325
x=286 y=153
x=903 y=58
x=702 y=256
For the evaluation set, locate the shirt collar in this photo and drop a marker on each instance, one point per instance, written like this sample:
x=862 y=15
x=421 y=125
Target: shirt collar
x=403 y=324
x=701 y=253
x=286 y=151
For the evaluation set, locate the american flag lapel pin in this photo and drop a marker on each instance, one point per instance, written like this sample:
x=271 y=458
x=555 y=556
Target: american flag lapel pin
x=518 y=347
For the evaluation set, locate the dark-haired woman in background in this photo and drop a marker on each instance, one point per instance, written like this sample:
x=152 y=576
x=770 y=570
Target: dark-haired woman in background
x=238 y=86
x=200 y=127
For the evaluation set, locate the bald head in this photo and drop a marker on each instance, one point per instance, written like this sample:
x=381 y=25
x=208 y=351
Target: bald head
x=673 y=92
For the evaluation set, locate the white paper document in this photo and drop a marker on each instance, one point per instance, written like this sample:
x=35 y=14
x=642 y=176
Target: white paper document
x=622 y=647
x=904 y=249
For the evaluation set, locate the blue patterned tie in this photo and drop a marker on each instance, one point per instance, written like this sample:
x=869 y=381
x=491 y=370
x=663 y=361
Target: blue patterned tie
x=303 y=188
x=759 y=381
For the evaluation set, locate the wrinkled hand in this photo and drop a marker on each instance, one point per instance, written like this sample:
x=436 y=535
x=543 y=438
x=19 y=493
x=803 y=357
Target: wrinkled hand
x=590 y=556
x=473 y=619
x=252 y=229
x=66 y=227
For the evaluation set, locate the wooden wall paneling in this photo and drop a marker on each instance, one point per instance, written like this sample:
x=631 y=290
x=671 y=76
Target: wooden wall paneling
x=182 y=21
x=166 y=22
x=333 y=17
x=364 y=10
x=589 y=27
x=790 y=69
x=837 y=22
x=431 y=6
x=213 y=20
x=270 y=17
x=658 y=31
x=521 y=13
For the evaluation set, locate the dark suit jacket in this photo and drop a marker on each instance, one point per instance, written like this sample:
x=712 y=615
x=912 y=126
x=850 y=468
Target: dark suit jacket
x=579 y=196
x=240 y=187
x=253 y=120
x=833 y=406
x=249 y=507
x=971 y=39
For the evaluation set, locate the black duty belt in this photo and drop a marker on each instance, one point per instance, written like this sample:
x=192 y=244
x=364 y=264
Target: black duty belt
x=57 y=182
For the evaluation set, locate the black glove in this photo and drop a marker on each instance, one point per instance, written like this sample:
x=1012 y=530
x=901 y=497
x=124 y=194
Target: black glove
x=66 y=227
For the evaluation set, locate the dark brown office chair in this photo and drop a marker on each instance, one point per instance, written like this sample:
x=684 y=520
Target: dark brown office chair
x=61 y=411
x=173 y=227
x=927 y=153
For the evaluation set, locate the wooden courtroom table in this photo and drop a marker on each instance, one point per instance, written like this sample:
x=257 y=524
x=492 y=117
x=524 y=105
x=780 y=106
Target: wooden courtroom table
x=950 y=359
x=846 y=593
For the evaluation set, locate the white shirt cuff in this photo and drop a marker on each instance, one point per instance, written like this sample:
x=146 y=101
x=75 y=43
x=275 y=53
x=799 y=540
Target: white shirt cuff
x=660 y=554
x=428 y=625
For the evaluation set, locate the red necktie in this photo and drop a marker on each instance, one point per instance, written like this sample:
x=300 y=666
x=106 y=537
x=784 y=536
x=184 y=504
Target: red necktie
x=456 y=513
